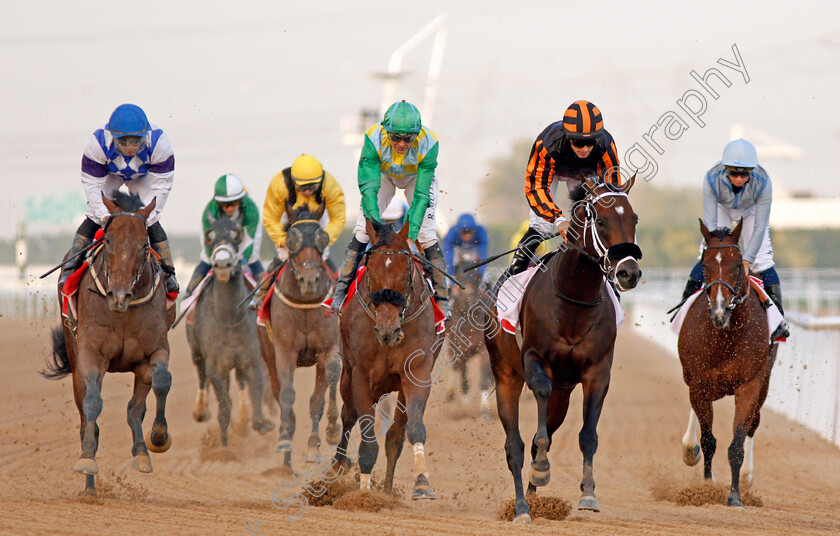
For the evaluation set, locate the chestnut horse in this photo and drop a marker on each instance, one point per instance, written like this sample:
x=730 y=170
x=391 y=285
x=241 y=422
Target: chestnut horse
x=299 y=335
x=568 y=335
x=723 y=347
x=388 y=343
x=122 y=324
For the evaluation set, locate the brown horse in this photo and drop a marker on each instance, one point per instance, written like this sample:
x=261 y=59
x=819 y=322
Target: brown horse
x=723 y=347
x=388 y=343
x=122 y=323
x=299 y=335
x=568 y=335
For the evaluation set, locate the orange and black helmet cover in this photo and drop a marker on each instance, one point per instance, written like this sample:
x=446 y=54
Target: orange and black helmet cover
x=583 y=120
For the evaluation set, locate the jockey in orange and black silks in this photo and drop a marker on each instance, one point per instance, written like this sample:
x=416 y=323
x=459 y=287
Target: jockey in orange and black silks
x=127 y=150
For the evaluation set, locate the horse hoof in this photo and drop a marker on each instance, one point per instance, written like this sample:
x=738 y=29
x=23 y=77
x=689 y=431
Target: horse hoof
x=201 y=417
x=263 y=427
x=162 y=446
x=333 y=433
x=523 y=518
x=312 y=455
x=746 y=480
x=284 y=445
x=539 y=478
x=89 y=492
x=691 y=455
x=423 y=489
x=734 y=501
x=142 y=463
x=589 y=502
x=86 y=466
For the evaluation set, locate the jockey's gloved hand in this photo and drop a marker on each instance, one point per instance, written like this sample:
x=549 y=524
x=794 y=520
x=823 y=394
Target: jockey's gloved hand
x=562 y=225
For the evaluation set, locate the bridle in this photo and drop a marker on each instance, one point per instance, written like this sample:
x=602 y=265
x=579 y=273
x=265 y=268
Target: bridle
x=294 y=267
x=387 y=295
x=105 y=289
x=737 y=299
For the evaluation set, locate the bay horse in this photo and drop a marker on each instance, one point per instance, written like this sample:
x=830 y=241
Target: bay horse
x=298 y=334
x=388 y=343
x=466 y=338
x=568 y=335
x=223 y=336
x=122 y=325
x=723 y=347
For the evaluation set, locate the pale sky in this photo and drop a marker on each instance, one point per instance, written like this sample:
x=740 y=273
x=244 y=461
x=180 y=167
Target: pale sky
x=246 y=87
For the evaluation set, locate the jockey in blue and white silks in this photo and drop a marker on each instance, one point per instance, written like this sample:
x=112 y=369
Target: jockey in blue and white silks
x=127 y=150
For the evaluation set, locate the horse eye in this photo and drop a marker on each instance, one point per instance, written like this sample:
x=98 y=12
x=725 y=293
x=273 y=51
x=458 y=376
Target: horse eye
x=599 y=221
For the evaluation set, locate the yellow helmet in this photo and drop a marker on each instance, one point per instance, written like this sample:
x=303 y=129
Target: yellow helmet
x=306 y=170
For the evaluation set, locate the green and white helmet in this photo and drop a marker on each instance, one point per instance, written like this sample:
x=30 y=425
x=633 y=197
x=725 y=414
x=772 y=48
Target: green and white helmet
x=229 y=188
x=402 y=118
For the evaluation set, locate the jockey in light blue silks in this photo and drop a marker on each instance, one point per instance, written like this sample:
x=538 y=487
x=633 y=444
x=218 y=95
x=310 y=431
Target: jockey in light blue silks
x=738 y=187
x=131 y=151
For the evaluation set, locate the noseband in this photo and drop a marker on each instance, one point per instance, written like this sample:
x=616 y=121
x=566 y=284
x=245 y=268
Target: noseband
x=736 y=298
x=625 y=251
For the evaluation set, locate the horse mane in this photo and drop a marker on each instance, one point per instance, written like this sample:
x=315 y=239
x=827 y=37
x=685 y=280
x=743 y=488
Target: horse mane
x=579 y=193
x=720 y=233
x=127 y=202
x=384 y=232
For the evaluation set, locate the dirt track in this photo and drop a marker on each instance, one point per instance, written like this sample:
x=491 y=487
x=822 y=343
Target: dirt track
x=198 y=489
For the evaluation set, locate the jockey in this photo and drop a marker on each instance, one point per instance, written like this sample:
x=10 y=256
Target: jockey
x=738 y=187
x=230 y=200
x=127 y=150
x=400 y=153
x=305 y=183
x=566 y=151
x=465 y=235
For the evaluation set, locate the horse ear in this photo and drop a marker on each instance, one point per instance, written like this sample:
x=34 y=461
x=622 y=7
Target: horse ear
x=590 y=184
x=145 y=211
x=319 y=211
x=371 y=231
x=403 y=234
x=705 y=231
x=629 y=184
x=736 y=232
x=110 y=205
x=290 y=210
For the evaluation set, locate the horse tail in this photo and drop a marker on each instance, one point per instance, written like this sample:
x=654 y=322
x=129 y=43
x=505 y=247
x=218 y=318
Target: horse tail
x=60 y=366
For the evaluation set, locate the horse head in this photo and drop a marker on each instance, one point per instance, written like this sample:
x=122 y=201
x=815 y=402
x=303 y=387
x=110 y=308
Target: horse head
x=223 y=240
x=604 y=226
x=306 y=242
x=723 y=270
x=389 y=279
x=471 y=279
x=126 y=250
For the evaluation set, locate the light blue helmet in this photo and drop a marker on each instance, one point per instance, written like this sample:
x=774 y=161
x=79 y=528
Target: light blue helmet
x=739 y=153
x=128 y=120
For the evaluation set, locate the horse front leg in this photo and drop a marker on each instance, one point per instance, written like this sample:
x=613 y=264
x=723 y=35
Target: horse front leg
x=702 y=407
x=87 y=388
x=508 y=391
x=159 y=439
x=220 y=379
x=747 y=398
x=136 y=412
x=691 y=449
x=333 y=372
x=416 y=385
x=201 y=411
x=285 y=366
x=349 y=416
x=394 y=439
x=316 y=411
x=595 y=386
x=556 y=410
x=540 y=384
x=252 y=375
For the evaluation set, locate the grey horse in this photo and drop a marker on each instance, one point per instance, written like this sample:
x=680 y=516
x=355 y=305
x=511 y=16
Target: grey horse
x=223 y=336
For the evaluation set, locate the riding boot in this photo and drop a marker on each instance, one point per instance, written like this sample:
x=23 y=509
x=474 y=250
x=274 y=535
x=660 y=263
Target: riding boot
x=775 y=293
x=265 y=283
x=198 y=274
x=162 y=249
x=526 y=250
x=439 y=281
x=691 y=286
x=74 y=258
x=352 y=258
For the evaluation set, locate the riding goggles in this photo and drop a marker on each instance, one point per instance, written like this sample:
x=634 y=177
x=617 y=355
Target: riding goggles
x=397 y=138
x=590 y=142
x=738 y=172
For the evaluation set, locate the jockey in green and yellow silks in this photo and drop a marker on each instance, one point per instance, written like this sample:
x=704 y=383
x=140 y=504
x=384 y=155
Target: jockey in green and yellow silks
x=399 y=153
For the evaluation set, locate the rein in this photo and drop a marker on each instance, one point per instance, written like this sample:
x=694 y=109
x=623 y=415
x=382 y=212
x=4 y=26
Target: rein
x=737 y=299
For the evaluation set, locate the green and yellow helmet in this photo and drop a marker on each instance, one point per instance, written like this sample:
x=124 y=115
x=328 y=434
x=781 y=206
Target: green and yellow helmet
x=229 y=188
x=402 y=118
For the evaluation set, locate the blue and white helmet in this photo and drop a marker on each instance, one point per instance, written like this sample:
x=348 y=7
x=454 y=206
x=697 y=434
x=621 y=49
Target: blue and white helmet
x=128 y=120
x=739 y=154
